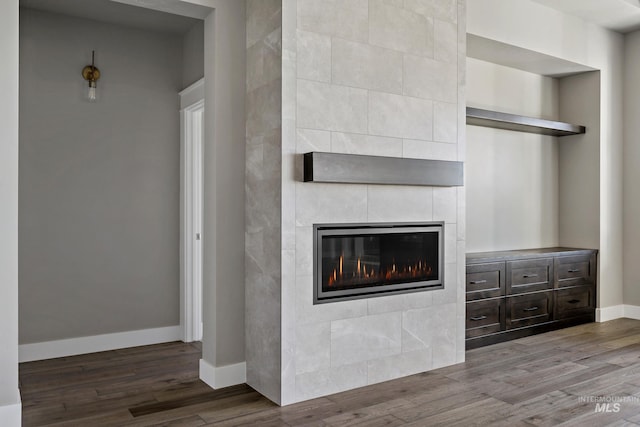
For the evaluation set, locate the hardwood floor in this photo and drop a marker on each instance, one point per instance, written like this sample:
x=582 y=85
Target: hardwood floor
x=534 y=381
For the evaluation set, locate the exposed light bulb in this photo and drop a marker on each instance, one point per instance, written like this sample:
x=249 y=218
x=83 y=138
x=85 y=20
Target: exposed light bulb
x=91 y=92
x=91 y=74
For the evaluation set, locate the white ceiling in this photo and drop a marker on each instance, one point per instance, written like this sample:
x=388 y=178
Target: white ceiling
x=114 y=12
x=618 y=15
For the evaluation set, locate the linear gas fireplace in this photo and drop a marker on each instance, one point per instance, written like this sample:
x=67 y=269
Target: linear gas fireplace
x=363 y=260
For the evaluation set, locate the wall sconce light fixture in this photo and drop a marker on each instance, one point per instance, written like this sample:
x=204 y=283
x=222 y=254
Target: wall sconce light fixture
x=91 y=74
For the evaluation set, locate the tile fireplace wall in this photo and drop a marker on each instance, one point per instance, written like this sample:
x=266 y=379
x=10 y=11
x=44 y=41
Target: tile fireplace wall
x=374 y=77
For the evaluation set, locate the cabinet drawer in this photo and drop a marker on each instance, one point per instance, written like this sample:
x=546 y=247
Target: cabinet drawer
x=574 y=302
x=575 y=270
x=526 y=310
x=485 y=281
x=529 y=275
x=485 y=317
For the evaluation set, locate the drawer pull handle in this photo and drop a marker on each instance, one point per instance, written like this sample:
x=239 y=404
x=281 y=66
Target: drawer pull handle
x=477 y=282
x=573 y=270
x=530 y=308
x=573 y=301
x=526 y=276
x=475 y=319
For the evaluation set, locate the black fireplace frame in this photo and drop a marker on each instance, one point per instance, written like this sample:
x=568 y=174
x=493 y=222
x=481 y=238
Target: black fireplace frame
x=320 y=230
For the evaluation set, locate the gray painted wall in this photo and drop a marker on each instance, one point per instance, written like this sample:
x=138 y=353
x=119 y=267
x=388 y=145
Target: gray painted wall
x=631 y=170
x=580 y=191
x=99 y=183
x=224 y=150
x=193 y=55
x=9 y=214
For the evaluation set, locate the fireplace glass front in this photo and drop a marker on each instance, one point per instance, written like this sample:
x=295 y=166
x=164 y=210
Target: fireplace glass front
x=362 y=260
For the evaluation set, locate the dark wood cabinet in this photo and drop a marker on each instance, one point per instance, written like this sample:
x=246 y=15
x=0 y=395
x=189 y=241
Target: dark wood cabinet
x=529 y=309
x=512 y=294
x=529 y=275
x=485 y=317
x=485 y=281
x=572 y=302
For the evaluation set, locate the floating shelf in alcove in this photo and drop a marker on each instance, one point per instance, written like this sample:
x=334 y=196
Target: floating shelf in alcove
x=495 y=119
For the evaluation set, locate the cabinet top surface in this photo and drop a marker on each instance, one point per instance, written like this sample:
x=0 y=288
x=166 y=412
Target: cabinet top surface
x=480 y=257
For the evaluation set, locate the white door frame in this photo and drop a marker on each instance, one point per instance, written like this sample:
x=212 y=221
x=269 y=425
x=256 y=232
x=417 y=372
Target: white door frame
x=191 y=197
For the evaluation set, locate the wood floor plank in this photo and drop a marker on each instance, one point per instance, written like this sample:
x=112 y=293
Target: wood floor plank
x=533 y=381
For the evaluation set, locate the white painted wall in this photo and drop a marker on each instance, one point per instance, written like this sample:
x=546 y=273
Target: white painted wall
x=631 y=170
x=9 y=395
x=532 y=26
x=511 y=177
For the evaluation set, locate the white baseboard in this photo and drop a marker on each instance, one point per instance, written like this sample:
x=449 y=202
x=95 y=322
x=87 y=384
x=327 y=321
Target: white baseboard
x=617 y=312
x=95 y=343
x=609 y=313
x=11 y=415
x=223 y=376
x=632 y=312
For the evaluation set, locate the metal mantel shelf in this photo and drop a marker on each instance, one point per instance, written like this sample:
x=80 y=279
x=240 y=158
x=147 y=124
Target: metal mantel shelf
x=358 y=169
x=495 y=119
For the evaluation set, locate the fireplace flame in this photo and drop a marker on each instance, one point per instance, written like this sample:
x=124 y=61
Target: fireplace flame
x=361 y=275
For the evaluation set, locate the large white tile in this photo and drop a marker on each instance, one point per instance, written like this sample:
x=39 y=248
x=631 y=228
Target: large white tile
x=400 y=29
x=450 y=292
x=391 y=203
x=462 y=214
x=430 y=79
x=264 y=60
x=326 y=203
x=314 y=56
x=385 y=304
x=445 y=122
x=351 y=143
x=313 y=140
x=442 y=9
x=313 y=347
x=365 y=66
x=445 y=334
x=330 y=107
x=391 y=303
x=263 y=112
x=445 y=204
x=288 y=206
x=446 y=41
x=417 y=329
x=304 y=251
x=308 y=313
x=288 y=326
x=263 y=16
x=365 y=338
x=330 y=381
x=417 y=149
x=397 y=366
x=400 y=116
x=339 y=18
x=450 y=243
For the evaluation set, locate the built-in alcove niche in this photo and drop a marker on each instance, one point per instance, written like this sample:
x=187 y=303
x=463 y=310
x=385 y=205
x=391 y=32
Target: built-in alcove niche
x=524 y=187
